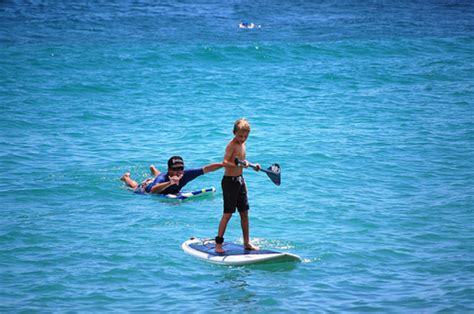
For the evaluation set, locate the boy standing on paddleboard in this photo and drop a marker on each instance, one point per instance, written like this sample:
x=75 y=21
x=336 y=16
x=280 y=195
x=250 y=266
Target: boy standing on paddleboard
x=234 y=189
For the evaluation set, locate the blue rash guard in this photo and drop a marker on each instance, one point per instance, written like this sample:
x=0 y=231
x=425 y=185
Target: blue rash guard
x=188 y=175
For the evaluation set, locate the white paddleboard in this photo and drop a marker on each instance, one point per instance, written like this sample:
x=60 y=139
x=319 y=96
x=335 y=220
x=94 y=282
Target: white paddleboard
x=235 y=254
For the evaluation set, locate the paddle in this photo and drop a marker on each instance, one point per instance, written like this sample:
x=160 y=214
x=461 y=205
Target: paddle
x=273 y=172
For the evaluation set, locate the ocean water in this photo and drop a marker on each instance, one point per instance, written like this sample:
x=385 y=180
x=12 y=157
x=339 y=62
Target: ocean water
x=366 y=105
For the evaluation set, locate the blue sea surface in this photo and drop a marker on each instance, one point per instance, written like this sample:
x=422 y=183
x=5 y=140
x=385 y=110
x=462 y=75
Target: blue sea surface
x=366 y=105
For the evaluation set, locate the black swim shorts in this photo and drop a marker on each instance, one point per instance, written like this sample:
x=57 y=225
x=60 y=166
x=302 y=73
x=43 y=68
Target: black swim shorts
x=235 y=194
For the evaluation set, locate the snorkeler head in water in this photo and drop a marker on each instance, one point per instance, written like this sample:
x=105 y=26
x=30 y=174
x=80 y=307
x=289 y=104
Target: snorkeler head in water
x=247 y=25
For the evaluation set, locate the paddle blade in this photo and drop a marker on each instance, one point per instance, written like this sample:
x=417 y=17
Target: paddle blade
x=274 y=173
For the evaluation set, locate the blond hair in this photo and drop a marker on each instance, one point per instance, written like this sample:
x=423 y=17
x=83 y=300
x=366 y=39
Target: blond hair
x=241 y=125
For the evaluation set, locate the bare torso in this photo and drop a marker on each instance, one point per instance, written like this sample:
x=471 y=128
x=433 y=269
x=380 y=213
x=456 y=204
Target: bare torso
x=233 y=150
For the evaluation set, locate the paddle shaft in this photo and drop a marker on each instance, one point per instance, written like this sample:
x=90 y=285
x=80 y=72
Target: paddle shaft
x=274 y=176
x=237 y=161
x=240 y=162
x=261 y=169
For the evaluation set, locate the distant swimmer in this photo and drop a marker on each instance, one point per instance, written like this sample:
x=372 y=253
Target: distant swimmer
x=248 y=25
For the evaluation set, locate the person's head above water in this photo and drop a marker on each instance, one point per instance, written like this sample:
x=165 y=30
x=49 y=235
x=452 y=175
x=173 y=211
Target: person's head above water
x=246 y=25
x=175 y=165
x=241 y=125
x=241 y=130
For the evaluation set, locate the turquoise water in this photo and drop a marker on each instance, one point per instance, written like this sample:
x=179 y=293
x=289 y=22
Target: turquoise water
x=367 y=107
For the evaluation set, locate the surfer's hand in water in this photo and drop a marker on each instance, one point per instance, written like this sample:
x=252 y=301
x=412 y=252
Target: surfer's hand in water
x=175 y=179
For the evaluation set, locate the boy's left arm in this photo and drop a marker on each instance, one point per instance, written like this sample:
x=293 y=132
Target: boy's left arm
x=212 y=167
x=255 y=167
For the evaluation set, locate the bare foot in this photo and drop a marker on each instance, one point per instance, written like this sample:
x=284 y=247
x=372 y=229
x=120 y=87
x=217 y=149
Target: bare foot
x=155 y=172
x=126 y=175
x=251 y=247
x=219 y=249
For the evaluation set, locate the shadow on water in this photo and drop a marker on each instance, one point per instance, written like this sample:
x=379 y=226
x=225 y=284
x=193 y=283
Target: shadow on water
x=274 y=267
x=239 y=284
x=238 y=290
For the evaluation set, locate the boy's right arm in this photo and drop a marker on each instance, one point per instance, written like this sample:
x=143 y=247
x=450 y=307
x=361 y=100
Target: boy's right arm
x=228 y=157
